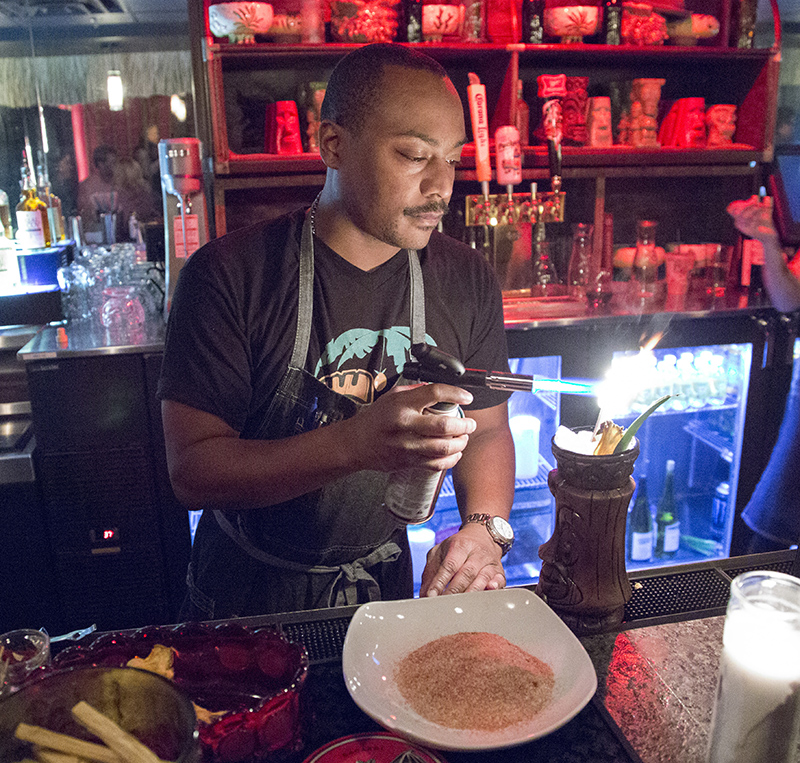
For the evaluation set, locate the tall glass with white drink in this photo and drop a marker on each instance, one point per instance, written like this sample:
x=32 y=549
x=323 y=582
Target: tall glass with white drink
x=757 y=710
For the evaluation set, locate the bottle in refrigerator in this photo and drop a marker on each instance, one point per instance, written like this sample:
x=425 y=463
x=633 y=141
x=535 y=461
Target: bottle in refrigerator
x=640 y=530
x=719 y=509
x=688 y=380
x=668 y=526
x=717 y=381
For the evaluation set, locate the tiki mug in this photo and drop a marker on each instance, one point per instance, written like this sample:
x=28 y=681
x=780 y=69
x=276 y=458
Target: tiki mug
x=599 y=122
x=583 y=577
x=721 y=123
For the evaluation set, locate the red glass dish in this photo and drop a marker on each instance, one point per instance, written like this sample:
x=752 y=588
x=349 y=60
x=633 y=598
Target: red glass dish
x=381 y=747
x=251 y=676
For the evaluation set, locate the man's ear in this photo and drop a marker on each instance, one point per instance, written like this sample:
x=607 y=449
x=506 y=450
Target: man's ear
x=331 y=137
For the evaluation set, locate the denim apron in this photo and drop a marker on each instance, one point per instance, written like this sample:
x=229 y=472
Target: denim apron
x=300 y=554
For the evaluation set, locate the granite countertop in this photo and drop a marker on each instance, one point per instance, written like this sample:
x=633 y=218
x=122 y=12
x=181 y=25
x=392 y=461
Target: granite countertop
x=659 y=683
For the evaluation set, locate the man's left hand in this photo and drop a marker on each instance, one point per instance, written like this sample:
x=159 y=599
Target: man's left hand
x=468 y=560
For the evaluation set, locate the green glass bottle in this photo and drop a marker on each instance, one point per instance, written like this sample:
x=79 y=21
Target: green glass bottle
x=640 y=526
x=668 y=526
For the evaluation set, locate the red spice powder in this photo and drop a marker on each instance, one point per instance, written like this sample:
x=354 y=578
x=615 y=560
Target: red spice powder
x=474 y=680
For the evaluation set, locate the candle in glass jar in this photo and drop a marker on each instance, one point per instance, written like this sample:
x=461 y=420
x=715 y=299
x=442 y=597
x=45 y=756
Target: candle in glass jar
x=757 y=710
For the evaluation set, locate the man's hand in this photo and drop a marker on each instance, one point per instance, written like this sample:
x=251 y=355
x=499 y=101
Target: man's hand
x=469 y=560
x=753 y=217
x=394 y=432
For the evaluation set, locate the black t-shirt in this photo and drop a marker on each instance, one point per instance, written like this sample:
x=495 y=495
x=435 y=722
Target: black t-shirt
x=234 y=316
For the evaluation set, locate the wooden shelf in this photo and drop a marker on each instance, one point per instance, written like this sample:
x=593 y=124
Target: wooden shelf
x=260 y=184
x=535 y=157
x=591 y=55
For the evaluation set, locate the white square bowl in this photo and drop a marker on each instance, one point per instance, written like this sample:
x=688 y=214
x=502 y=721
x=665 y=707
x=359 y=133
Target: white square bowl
x=382 y=633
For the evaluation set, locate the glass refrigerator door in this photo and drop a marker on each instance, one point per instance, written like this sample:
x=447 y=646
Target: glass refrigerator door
x=534 y=418
x=700 y=428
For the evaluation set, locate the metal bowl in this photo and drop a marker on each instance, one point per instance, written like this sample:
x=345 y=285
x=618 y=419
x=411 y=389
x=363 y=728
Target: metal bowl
x=146 y=705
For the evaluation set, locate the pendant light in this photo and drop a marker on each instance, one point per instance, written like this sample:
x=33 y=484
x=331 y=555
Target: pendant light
x=115 y=90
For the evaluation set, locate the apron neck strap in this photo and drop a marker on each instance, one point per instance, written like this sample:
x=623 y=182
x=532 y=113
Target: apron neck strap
x=305 y=299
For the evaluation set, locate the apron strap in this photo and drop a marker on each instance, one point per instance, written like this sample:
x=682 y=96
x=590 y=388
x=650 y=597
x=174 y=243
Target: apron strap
x=417 y=299
x=305 y=297
x=345 y=588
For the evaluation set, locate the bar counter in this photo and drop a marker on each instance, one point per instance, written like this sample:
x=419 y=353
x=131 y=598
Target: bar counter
x=525 y=320
x=656 y=675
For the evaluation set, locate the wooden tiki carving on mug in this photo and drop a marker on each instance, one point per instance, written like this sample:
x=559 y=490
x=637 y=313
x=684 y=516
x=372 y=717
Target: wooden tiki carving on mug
x=583 y=577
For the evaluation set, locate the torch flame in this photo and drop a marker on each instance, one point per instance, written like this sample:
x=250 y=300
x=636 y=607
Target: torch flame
x=628 y=376
x=649 y=344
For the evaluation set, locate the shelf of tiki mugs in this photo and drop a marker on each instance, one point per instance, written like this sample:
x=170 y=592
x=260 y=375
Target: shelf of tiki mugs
x=746 y=78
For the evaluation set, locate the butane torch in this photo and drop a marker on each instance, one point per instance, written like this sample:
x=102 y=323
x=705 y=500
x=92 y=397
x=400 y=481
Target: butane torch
x=434 y=365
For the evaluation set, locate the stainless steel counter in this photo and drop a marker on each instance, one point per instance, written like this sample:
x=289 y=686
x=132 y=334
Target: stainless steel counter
x=85 y=338
x=70 y=339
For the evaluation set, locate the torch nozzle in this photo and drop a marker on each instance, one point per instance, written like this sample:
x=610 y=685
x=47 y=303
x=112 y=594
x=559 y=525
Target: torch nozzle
x=434 y=365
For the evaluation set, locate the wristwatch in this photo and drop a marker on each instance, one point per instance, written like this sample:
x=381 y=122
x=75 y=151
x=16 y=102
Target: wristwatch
x=499 y=529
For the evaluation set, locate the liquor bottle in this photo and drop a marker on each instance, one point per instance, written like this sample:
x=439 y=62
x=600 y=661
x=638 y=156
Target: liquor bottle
x=33 y=229
x=640 y=526
x=523 y=120
x=755 y=289
x=413 y=20
x=612 y=22
x=9 y=266
x=668 y=526
x=644 y=273
x=743 y=23
x=5 y=215
x=533 y=22
x=55 y=218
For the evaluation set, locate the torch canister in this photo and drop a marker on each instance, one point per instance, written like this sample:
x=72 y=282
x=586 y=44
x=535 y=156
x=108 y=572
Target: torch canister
x=411 y=493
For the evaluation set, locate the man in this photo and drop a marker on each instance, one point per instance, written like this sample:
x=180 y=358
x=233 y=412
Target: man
x=284 y=340
x=98 y=192
x=753 y=217
x=773 y=511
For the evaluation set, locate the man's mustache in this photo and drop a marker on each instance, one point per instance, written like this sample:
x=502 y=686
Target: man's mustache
x=434 y=207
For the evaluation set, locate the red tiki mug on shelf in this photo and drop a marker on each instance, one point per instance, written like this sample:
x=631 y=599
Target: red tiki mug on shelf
x=574 y=106
x=583 y=577
x=685 y=124
x=283 y=129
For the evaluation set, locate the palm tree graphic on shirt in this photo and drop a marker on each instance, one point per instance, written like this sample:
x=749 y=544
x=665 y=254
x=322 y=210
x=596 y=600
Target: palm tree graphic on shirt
x=364 y=384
